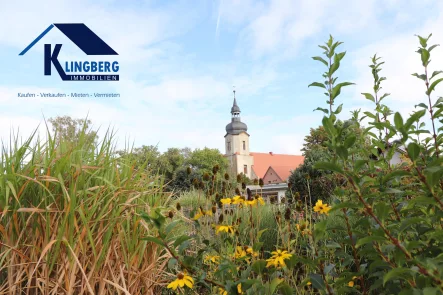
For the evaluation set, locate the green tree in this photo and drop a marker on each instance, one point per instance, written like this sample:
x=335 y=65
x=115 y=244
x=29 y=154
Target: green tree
x=205 y=159
x=313 y=184
x=67 y=129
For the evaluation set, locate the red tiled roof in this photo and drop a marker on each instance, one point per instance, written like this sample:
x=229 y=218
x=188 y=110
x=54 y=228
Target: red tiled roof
x=283 y=171
x=262 y=161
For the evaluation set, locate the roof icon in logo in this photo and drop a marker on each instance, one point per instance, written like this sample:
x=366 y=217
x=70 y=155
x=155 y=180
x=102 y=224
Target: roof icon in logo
x=80 y=35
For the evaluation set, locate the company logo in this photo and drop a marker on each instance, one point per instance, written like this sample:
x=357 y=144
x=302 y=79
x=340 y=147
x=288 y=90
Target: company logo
x=89 y=43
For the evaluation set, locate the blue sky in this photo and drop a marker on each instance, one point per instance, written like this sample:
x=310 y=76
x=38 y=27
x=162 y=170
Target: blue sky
x=180 y=59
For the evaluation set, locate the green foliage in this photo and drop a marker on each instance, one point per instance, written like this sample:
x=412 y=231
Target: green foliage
x=67 y=204
x=69 y=130
x=383 y=234
x=319 y=183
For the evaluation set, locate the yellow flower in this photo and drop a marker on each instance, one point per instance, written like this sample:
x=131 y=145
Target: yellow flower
x=308 y=283
x=201 y=213
x=239 y=252
x=237 y=200
x=251 y=252
x=278 y=258
x=251 y=203
x=226 y=228
x=261 y=201
x=351 y=283
x=239 y=291
x=212 y=258
x=322 y=208
x=198 y=215
x=226 y=201
x=222 y=291
x=181 y=280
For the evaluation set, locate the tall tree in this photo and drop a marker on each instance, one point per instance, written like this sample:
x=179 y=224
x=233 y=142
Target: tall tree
x=67 y=129
x=205 y=159
x=314 y=184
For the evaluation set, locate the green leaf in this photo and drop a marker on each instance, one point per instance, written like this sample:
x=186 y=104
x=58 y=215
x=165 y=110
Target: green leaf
x=172 y=263
x=328 y=268
x=360 y=163
x=342 y=152
x=320 y=230
x=338 y=110
x=410 y=221
x=415 y=117
x=369 y=239
x=413 y=151
x=369 y=96
x=321 y=60
x=398 y=120
x=432 y=47
x=317 y=281
x=257 y=246
x=333 y=245
x=397 y=173
x=435 y=83
x=383 y=96
x=423 y=41
x=337 y=88
x=181 y=239
x=326 y=111
x=259 y=266
x=317 y=84
x=274 y=283
x=397 y=273
x=430 y=291
x=422 y=105
x=439 y=100
x=285 y=289
x=370 y=115
x=381 y=210
x=349 y=141
x=329 y=127
x=433 y=175
x=328 y=166
x=425 y=57
x=422 y=76
x=154 y=240
x=171 y=226
x=343 y=205
x=435 y=73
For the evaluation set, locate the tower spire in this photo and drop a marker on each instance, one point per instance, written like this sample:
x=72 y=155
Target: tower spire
x=235 y=110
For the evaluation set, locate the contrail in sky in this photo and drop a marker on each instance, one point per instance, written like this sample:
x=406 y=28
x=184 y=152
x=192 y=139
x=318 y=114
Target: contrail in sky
x=218 y=19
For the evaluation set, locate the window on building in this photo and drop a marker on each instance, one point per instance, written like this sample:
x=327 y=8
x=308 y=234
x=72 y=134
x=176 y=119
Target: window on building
x=244 y=145
x=245 y=169
x=229 y=146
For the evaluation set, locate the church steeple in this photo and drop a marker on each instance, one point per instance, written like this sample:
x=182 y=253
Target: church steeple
x=235 y=110
x=236 y=126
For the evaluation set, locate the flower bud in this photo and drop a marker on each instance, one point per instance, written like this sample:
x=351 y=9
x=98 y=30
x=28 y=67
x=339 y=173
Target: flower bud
x=239 y=178
x=206 y=176
x=226 y=176
x=260 y=182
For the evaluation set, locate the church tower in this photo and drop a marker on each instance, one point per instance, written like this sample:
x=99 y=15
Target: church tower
x=237 y=144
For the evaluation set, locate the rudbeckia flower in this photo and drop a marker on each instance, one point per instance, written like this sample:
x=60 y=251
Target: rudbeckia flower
x=278 y=258
x=182 y=280
x=321 y=208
